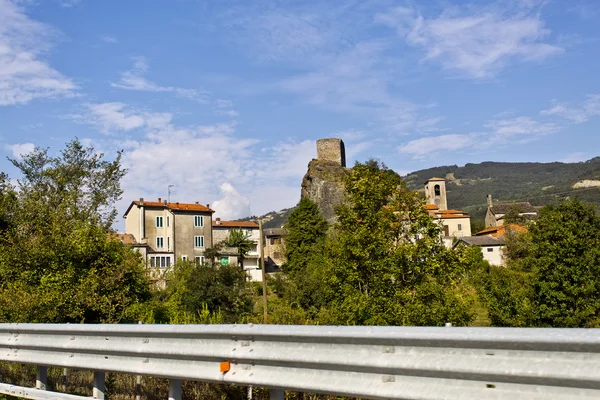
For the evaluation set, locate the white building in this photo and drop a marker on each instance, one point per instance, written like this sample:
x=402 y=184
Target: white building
x=222 y=229
x=455 y=223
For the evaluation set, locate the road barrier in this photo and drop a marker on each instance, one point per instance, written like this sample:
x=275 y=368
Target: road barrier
x=368 y=362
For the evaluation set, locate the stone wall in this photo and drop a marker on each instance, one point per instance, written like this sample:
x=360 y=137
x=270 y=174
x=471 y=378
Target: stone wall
x=331 y=150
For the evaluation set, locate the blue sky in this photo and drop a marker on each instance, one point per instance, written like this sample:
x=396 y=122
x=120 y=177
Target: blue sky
x=225 y=99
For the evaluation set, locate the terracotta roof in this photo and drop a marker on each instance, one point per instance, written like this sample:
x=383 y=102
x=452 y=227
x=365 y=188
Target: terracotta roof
x=431 y=207
x=126 y=238
x=522 y=207
x=450 y=214
x=435 y=179
x=274 y=232
x=499 y=231
x=235 y=224
x=172 y=206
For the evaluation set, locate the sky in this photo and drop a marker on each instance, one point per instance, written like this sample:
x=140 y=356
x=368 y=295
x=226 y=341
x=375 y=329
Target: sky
x=224 y=99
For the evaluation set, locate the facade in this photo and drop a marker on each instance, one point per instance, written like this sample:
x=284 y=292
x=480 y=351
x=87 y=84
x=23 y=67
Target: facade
x=274 y=249
x=332 y=149
x=455 y=223
x=495 y=213
x=221 y=230
x=169 y=231
x=492 y=248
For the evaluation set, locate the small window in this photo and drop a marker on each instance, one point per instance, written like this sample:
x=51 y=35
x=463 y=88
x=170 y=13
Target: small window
x=198 y=221
x=490 y=249
x=159 y=242
x=168 y=243
x=198 y=241
x=168 y=221
x=437 y=190
x=184 y=258
x=159 y=222
x=200 y=260
x=460 y=227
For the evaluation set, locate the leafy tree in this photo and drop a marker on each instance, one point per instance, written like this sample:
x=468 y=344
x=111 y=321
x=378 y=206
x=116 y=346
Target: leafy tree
x=388 y=265
x=305 y=236
x=237 y=238
x=565 y=258
x=59 y=261
x=192 y=287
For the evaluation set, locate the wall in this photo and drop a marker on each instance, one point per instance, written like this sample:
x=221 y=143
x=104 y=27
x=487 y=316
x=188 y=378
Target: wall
x=331 y=150
x=440 y=201
x=453 y=223
x=494 y=257
x=185 y=232
x=132 y=223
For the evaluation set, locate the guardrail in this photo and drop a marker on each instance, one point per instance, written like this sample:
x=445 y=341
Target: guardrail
x=370 y=362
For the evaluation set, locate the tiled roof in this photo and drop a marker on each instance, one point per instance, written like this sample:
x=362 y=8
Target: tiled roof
x=431 y=207
x=172 y=206
x=126 y=238
x=499 y=231
x=274 y=232
x=450 y=214
x=522 y=207
x=234 y=224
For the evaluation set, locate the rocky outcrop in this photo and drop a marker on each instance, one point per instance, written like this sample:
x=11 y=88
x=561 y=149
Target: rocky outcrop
x=324 y=184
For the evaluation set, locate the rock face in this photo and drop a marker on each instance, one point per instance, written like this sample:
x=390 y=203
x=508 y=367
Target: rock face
x=324 y=180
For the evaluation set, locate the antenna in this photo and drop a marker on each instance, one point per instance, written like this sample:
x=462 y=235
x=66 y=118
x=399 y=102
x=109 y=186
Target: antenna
x=169 y=193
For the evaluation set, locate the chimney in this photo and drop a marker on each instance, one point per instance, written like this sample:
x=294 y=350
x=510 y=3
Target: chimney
x=197 y=202
x=159 y=200
x=141 y=201
x=489 y=200
x=208 y=206
x=218 y=221
x=165 y=202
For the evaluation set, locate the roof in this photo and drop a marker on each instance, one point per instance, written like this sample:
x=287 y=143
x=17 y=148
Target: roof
x=126 y=238
x=274 y=232
x=435 y=179
x=503 y=208
x=450 y=214
x=480 y=241
x=235 y=224
x=431 y=207
x=499 y=231
x=171 y=206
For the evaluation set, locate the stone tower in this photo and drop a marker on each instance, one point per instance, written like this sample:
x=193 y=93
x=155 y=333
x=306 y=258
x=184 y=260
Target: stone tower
x=331 y=149
x=435 y=192
x=324 y=179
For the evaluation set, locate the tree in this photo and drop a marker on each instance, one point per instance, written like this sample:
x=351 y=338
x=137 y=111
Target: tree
x=565 y=258
x=388 y=265
x=59 y=260
x=237 y=238
x=305 y=236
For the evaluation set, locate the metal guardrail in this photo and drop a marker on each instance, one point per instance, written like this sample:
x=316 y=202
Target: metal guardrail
x=369 y=362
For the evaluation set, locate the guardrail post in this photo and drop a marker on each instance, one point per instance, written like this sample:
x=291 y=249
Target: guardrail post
x=41 y=378
x=174 y=389
x=99 y=385
x=276 y=394
x=63 y=380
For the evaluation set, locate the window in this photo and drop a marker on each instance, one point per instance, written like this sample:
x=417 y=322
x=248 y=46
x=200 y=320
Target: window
x=198 y=221
x=168 y=243
x=436 y=189
x=184 y=258
x=159 y=222
x=198 y=241
x=490 y=249
x=275 y=240
x=159 y=242
x=460 y=227
x=168 y=221
x=160 y=261
x=199 y=259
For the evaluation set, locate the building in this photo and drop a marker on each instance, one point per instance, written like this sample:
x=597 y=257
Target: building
x=454 y=223
x=274 y=249
x=500 y=231
x=222 y=229
x=495 y=213
x=165 y=232
x=492 y=248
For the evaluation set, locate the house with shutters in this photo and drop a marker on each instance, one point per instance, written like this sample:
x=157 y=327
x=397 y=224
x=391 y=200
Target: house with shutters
x=221 y=230
x=165 y=232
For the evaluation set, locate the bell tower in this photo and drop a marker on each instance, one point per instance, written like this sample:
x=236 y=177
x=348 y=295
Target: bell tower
x=435 y=192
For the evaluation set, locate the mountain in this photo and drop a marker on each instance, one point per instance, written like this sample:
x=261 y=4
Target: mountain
x=538 y=183
x=467 y=187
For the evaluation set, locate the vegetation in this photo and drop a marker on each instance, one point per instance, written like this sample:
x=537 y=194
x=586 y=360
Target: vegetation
x=240 y=240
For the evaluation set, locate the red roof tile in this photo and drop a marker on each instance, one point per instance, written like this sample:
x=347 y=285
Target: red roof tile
x=235 y=224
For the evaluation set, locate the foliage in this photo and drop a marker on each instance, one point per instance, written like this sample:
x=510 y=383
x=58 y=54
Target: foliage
x=305 y=235
x=388 y=265
x=59 y=262
x=239 y=239
x=193 y=289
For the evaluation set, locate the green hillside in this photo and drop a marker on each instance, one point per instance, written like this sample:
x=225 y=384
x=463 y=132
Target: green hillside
x=538 y=183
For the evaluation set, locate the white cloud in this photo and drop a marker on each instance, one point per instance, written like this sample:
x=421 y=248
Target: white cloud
x=134 y=79
x=109 y=39
x=115 y=116
x=20 y=149
x=433 y=145
x=521 y=126
x=24 y=75
x=578 y=114
x=476 y=43
x=232 y=204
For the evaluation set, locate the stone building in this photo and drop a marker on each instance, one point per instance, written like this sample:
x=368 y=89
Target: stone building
x=323 y=182
x=454 y=223
x=495 y=213
x=274 y=249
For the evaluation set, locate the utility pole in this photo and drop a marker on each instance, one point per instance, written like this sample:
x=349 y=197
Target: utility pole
x=264 y=271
